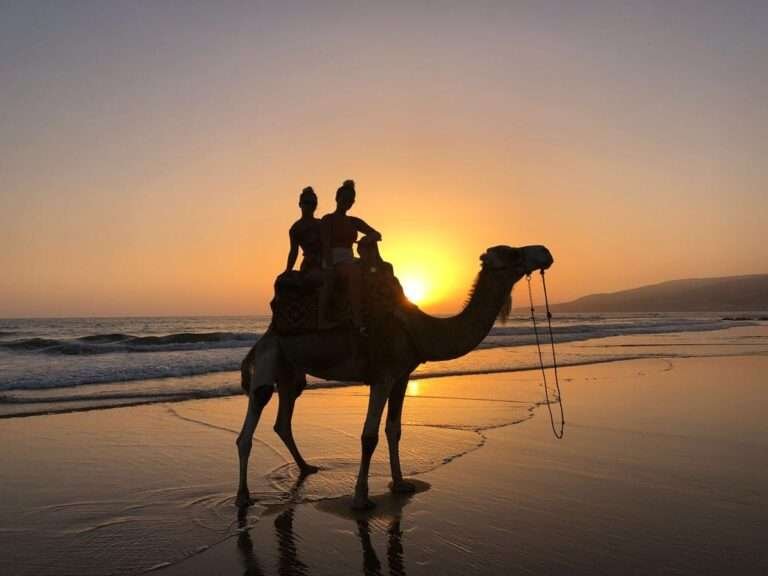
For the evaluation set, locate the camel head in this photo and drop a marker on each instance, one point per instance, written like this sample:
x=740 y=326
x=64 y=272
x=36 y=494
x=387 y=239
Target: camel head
x=511 y=264
x=518 y=261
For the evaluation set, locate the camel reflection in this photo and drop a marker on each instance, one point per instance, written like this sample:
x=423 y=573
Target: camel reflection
x=289 y=563
x=245 y=547
x=288 y=558
x=389 y=514
x=371 y=564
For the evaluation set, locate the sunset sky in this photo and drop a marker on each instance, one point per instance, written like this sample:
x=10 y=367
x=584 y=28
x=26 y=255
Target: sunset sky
x=152 y=153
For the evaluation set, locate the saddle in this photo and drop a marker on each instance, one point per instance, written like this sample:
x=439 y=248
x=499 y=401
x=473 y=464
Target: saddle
x=297 y=296
x=295 y=304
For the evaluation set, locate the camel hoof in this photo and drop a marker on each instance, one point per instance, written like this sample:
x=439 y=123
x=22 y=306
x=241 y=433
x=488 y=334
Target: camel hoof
x=402 y=487
x=362 y=504
x=244 y=500
x=308 y=469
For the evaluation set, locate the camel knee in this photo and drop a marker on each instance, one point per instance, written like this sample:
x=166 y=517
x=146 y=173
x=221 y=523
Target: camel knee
x=394 y=432
x=283 y=430
x=262 y=395
x=244 y=443
x=369 y=440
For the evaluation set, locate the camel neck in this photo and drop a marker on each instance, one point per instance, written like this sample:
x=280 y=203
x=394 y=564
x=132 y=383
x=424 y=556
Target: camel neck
x=447 y=338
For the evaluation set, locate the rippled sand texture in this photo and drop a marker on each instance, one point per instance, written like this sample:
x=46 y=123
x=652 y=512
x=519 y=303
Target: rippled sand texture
x=662 y=471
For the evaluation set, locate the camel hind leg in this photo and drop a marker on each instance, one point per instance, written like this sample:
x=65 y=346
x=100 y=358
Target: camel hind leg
x=289 y=386
x=377 y=399
x=394 y=431
x=262 y=371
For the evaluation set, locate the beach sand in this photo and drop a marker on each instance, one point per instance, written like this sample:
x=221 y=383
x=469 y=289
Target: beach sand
x=662 y=470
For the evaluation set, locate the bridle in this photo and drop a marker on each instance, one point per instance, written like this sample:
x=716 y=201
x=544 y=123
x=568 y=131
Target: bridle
x=557 y=432
x=523 y=269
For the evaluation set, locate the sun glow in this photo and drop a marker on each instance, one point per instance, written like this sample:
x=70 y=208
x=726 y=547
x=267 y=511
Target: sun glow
x=425 y=262
x=415 y=289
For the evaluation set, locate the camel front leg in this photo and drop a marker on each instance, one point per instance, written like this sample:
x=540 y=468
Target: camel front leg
x=288 y=390
x=369 y=439
x=394 y=431
x=257 y=399
x=263 y=370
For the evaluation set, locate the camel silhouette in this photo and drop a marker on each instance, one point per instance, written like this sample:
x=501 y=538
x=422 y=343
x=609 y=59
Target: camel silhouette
x=401 y=341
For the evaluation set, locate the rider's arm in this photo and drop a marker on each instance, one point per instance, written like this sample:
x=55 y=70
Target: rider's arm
x=364 y=229
x=294 y=251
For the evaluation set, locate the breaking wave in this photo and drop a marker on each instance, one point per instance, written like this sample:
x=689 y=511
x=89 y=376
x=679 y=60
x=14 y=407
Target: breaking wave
x=115 y=343
x=113 y=361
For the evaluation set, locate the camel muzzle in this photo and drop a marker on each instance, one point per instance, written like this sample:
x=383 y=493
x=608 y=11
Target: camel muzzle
x=536 y=258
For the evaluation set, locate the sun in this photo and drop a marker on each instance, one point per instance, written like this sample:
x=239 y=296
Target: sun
x=415 y=289
x=424 y=262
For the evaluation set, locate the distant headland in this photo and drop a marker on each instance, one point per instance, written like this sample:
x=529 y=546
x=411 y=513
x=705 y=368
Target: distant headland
x=723 y=294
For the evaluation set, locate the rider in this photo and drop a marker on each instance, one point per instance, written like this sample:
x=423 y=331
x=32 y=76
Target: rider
x=339 y=233
x=306 y=233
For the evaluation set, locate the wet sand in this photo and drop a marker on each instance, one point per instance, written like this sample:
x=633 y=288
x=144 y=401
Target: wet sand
x=662 y=471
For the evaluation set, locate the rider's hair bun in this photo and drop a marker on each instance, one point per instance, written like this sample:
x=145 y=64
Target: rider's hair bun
x=346 y=190
x=308 y=194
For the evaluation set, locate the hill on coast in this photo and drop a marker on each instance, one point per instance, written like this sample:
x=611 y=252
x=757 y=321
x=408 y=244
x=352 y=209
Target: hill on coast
x=729 y=293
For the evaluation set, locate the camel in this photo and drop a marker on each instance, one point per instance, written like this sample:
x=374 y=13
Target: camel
x=410 y=337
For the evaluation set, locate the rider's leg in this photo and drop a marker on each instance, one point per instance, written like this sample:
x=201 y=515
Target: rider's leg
x=324 y=299
x=350 y=271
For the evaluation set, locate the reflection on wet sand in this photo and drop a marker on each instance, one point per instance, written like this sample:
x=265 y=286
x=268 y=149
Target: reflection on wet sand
x=389 y=509
x=245 y=547
x=371 y=564
x=289 y=562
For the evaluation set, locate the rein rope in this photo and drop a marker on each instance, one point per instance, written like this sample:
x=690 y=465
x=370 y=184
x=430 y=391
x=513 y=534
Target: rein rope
x=558 y=433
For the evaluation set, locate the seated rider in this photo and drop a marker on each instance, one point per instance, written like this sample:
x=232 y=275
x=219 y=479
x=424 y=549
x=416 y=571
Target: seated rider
x=339 y=233
x=306 y=233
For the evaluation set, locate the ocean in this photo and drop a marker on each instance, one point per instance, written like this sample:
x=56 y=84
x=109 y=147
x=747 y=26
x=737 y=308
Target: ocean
x=65 y=364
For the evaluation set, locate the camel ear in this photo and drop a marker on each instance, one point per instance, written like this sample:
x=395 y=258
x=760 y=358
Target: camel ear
x=492 y=260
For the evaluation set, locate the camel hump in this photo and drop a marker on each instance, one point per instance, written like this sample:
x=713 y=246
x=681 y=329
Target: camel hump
x=295 y=307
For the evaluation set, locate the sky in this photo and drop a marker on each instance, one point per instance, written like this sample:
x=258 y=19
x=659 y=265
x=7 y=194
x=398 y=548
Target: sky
x=152 y=153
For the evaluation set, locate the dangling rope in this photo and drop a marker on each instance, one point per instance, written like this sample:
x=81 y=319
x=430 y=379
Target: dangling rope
x=558 y=434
